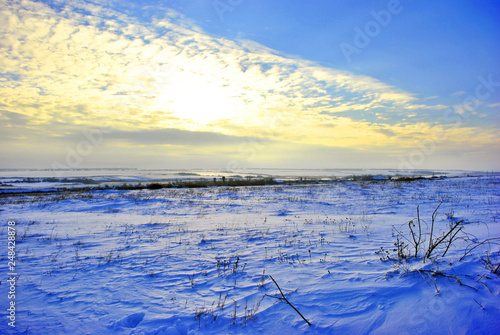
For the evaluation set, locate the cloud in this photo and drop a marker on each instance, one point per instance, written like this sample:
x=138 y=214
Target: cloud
x=162 y=80
x=13 y=119
x=175 y=137
x=387 y=132
x=458 y=93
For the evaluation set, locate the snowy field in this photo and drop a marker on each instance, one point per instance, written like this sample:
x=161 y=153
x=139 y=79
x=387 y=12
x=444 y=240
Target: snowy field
x=199 y=260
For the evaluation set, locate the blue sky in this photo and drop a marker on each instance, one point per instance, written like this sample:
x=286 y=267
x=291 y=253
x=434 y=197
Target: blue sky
x=240 y=83
x=431 y=47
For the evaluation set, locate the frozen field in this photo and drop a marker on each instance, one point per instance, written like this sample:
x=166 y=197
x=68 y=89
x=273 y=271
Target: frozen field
x=184 y=261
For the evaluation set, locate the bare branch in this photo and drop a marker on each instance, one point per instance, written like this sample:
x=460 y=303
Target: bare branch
x=288 y=302
x=477 y=245
x=434 y=214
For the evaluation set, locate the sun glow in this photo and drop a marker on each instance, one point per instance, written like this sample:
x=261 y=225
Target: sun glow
x=199 y=100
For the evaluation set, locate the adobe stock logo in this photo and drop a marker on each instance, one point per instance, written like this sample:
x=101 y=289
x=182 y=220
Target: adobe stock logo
x=455 y=117
x=223 y=6
x=138 y=85
x=253 y=146
x=76 y=154
x=372 y=29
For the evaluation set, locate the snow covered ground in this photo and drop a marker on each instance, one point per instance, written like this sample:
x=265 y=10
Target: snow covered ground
x=187 y=261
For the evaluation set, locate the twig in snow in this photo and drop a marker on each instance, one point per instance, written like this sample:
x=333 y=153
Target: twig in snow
x=478 y=303
x=431 y=244
x=477 y=245
x=288 y=302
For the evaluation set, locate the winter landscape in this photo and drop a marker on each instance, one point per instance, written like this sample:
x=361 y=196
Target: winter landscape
x=97 y=259
x=249 y=167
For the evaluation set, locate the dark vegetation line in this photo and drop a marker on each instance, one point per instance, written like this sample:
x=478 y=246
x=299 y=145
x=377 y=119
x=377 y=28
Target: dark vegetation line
x=92 y=185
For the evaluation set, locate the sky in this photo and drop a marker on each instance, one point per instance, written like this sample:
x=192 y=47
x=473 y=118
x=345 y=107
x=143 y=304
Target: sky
x=232 y=84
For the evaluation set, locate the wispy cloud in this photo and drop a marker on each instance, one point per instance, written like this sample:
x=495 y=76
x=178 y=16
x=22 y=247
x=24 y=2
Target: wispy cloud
x=458 y=93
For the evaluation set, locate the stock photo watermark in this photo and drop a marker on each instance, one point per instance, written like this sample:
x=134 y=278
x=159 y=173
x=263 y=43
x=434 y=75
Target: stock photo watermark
x=251 y=147
x=458 y=114
x=11 y=274
x=423 y=319
x=364 y=36
x=75 y=154
x=223 y=6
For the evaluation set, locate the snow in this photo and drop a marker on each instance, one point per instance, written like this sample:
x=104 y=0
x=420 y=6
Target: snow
x=188 y=261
